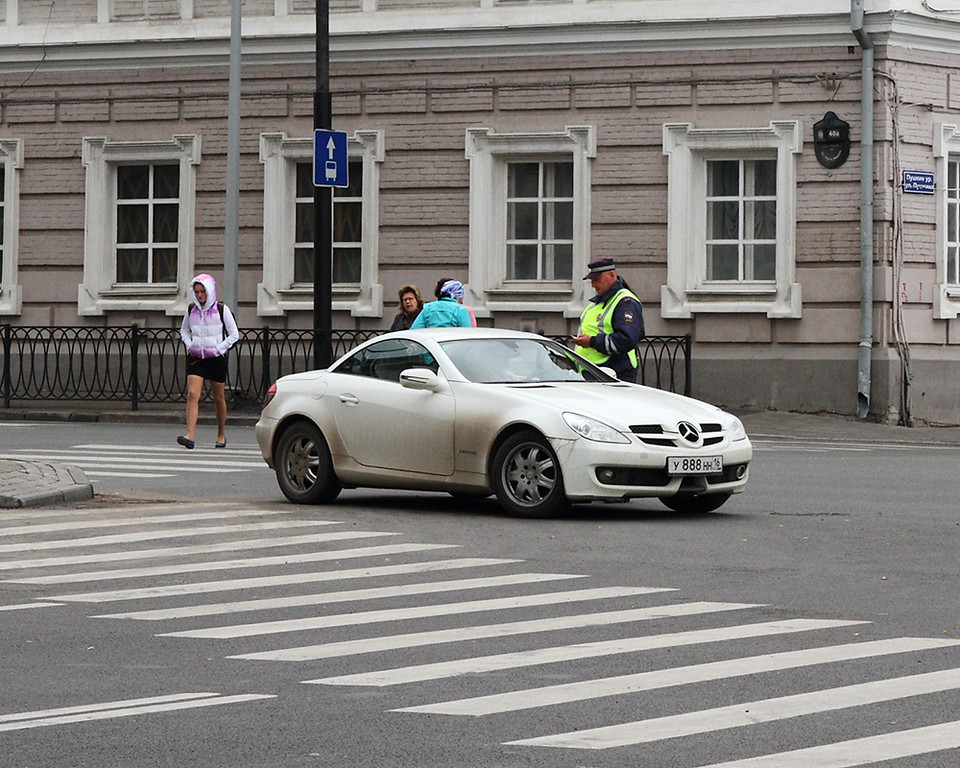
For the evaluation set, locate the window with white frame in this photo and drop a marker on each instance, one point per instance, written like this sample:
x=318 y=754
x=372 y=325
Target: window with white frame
x=347 y=227
x=946 y=292
x=741 y=242
x=731 y=220
x=539 y=221
x=529 y=220
x=148 y=215
x=288 y=264
x=139 y=224
x=11 y=161
x=136 y=10
x=952 y=270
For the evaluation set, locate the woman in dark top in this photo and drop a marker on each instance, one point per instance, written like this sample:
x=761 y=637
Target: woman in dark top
x=411 y=302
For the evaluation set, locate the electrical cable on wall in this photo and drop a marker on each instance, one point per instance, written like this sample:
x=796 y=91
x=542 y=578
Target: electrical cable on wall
x=43 y=53
x=930 y=8
x=892 y=100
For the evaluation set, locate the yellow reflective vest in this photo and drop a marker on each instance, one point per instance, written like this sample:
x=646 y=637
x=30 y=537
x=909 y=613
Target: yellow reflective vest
x=598 y=317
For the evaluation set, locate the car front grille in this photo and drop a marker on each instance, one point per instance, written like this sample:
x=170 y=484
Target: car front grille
x=653 y=434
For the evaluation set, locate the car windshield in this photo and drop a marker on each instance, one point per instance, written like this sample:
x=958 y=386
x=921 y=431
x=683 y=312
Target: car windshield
x=512 y=361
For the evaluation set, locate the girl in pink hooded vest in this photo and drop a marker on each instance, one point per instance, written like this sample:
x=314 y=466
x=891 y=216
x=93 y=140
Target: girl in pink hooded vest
x=208 y=331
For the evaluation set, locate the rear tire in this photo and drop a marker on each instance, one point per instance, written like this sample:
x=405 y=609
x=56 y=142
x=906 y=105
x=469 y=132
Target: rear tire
x=689 y=504
x=303 y=465
x=527 y=478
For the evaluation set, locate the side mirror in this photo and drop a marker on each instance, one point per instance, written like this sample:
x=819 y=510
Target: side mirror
x=420 y=378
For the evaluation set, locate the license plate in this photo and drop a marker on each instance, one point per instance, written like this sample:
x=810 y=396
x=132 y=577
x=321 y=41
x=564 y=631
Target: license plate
x=694 y=465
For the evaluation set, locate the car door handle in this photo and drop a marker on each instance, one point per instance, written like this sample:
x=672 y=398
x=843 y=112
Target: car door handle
x=350 y=399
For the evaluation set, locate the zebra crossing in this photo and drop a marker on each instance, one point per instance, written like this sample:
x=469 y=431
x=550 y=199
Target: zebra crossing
x=234 y=586
x=156 y=461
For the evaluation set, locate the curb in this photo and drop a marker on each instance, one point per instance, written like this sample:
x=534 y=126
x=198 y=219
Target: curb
x=32 y=484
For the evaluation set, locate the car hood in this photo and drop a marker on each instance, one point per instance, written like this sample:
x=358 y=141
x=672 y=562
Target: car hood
x=619 y=405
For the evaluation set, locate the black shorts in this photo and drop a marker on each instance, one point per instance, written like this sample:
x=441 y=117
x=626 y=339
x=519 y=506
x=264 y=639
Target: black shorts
x=210 y=368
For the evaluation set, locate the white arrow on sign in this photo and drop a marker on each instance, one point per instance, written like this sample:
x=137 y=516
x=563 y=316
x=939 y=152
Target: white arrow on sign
x=330 y=147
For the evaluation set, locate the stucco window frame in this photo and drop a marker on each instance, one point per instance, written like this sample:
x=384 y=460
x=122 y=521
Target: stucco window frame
x=11 y=158
x=688 y=150
x=99 y=292
x=946 y=296
x=489 y=153
x=276 y=294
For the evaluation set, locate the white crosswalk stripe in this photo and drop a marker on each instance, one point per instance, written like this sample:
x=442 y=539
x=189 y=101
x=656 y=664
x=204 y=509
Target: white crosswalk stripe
x=141 y=593
x=459 y=635
x=242 y=563
x=751 y=712
x=163 y=533
x=326 y=598
x=147 y=461
x=420 y=612
x=73 y=525
x=553 y=655
x=69 y=550
x=110 y=710
x=856 y=752
x=201 y=549
x=27 y=606
x=666 y=678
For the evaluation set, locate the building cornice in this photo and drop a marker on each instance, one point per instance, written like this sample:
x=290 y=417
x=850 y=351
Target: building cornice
x=606 y=28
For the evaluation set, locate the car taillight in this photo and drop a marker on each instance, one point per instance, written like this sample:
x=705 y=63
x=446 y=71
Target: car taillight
x=270 y=395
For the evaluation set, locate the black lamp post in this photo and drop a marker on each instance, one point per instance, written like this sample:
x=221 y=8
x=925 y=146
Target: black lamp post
x=322 y=204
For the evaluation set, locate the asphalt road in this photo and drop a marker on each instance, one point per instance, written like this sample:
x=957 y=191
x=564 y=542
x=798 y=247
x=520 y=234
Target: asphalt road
x=813 y=619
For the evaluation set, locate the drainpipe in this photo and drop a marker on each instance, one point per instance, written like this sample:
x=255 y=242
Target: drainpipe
x=866 y=208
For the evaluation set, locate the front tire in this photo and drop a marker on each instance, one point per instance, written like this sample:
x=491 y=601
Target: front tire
x=689 y=504
x=527 y=478
x=303 y=465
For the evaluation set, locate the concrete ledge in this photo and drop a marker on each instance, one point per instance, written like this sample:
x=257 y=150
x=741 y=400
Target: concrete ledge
x=35 y=484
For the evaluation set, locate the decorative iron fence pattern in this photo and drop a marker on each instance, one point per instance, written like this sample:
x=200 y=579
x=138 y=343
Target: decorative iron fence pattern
x=148 y=365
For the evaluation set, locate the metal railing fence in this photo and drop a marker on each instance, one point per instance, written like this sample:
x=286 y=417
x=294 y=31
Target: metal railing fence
x=148 y=365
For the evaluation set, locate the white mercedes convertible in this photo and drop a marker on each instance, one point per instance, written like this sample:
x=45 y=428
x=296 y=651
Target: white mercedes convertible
x=474 y=412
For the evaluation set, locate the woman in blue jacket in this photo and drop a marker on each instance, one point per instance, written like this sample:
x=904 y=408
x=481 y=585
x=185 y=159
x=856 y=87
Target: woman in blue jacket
x=447 y=311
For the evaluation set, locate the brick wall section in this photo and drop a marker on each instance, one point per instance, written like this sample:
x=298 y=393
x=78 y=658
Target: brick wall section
x=211 y=8
x=73 y=12
x=425 y=174
x=424 y=178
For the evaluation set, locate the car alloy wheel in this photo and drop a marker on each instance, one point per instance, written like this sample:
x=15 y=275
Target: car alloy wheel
x=303 y=465
x=527 y=477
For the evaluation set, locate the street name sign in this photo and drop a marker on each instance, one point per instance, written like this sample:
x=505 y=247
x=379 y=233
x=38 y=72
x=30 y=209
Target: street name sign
x=918 y=182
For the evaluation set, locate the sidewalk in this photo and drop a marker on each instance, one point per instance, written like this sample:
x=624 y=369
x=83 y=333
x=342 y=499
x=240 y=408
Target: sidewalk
x=29 y=484
x=36 y=484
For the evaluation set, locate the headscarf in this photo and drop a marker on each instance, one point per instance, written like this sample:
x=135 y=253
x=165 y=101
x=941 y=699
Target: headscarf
x=453 y=289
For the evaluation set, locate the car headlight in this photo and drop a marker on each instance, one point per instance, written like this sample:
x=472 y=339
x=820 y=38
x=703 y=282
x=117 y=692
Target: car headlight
x=734 y=426
x=591 y=429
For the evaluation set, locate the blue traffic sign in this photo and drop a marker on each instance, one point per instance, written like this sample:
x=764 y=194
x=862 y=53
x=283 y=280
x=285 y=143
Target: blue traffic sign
x=330 y=165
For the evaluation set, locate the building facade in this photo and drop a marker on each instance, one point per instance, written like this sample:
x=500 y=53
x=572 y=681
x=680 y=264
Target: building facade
x=507 y=144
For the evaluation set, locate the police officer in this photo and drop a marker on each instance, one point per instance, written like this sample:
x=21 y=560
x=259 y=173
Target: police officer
x=611 y=325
